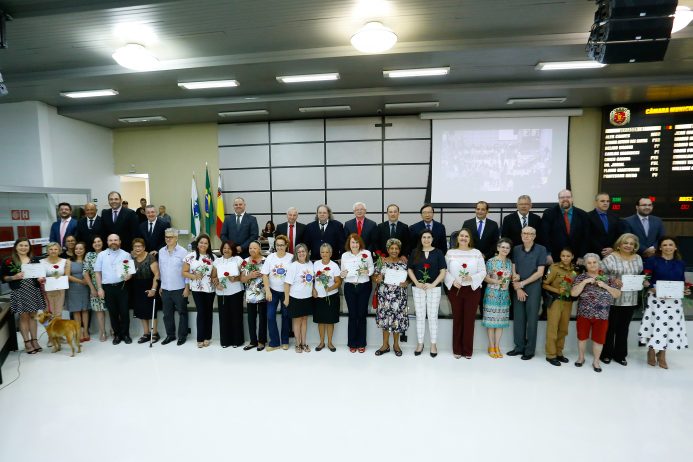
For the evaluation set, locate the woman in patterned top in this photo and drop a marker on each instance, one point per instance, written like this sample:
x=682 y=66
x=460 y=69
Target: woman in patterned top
x=391 y=315
x=255 y=301
x=197 y=267
x=96 y=303
x=596 y=292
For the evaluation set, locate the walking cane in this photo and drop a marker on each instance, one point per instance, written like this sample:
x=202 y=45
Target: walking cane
x=151 y=325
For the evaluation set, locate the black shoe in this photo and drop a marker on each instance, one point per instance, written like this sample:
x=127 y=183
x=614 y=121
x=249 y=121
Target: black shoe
x=433 y=355
x=577 y=364
x=417 y=353
x=116 y=340
x=622 y=362
x=143 y=339
x=526 y=357
x=596 y=369
x=553 y=361
x=181 y=341
x=514 y=353
x=168 y=340
x=332 y=349
x=398 y=353
x=379 y=352
x=127 y=340
x=249 y=347
x=606 y=360
x=260 y=347
x=156 y=337
x=563 y=359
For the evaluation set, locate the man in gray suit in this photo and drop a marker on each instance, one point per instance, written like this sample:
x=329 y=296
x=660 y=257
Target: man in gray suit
x=646 y=226
x=241 y=227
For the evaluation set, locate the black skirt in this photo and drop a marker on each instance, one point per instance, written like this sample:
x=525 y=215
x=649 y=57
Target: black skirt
x=327 y=313
x=300 y=307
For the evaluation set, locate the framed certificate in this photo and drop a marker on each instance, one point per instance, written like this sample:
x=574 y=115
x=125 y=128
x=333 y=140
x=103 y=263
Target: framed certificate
x=632 y=282
x=33 y=270
x=395 y=277
x=669 y=289
x=53 y=283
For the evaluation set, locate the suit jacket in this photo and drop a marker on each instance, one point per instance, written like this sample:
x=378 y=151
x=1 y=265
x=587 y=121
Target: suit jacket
x=334 y=235
x=126 y=226
x=86 y=235
x=511 y=227
x=488 y=242
x=54 y=235
x=555 y=236
x=598 y=237
x=632 y=224
x=241 y=235
x=156 y=240
x=299 y=232
x=367 y=233
x=438 y=231
x=402 y=232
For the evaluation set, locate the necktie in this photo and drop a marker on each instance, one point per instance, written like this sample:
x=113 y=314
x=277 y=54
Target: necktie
x=151 y=228
x=359 y=226
x=524 y=221
x=91 y=223
x=291 y=238
x=646 y=226
x=605 y=221
x=428 y=226
x=393 y=229
x=238 y=220
x=63 y=228
x=115 y=216
x=566 y=220
x=322 y=229
x=480 y=228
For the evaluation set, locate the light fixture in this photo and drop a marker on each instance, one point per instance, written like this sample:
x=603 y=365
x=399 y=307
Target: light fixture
x=424 y=72
x=568 y=65
x=412 y=105
x=682 y=18
x=140 y=120
x=136 y=57
x=208 y=84
x=89 y=93
x=308 y=78
x=374 y=37
x=324 y=108
x=244 y=113
x=550 y=99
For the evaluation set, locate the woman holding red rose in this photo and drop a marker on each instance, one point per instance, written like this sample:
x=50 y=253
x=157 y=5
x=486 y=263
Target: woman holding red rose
x=251 y=276
x=391 y=315
x=558 y=282
x=226 y=277
x=326 y=294
x=496 y=312
x=55 y=267
x=357 y=268
x=197 y=267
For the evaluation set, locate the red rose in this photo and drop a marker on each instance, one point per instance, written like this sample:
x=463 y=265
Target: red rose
x=226 y=273
x=318 y=273
x=363 y=255
x=125 y=261
x=499 y=274
x=327 y=268
x=647 y=272
x=56 y=266
x=245 y=263
x=464 y=265
x=254 y=262
x=426 y=266
x=8 y=261
x=567 y=279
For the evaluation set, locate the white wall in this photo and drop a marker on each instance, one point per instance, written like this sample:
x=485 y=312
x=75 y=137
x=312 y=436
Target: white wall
x=20 y=149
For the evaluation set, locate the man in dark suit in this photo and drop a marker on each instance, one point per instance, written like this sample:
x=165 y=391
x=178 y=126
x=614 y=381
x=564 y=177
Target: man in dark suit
x=393 y=229
x=361 y=225
x=564 y=225
x=646 y=226
x=484 y=230
x=436 y=228
x=240 y=228
x=604 y=228
x=89 y=226
x=153 y=230
x=64 y=226
x=119 y=220
x=292 y=229
x=512 y=224
x=324 y=230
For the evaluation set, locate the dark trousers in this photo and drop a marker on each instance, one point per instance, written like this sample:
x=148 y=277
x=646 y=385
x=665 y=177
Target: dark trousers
x=116 y=300
x=204 y=303
x=173 y=301
x=526 y=319
x=464 y=304
x=258 y=334
x=616 y=345
x=274 y=334
x=231 y=319
x=357 y=297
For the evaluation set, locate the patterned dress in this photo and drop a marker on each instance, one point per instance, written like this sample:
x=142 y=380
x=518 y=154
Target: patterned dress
x=96 y=303
x=497 y=300
x=26 y=294
x=391 y=314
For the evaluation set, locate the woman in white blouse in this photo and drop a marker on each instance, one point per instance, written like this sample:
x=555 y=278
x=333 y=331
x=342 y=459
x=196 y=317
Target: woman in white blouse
x=55 y=267
x=466 y=272
x=226 y=277
x=273 y=274
x=298 y=295
x=326 y=294
x=357 y=268
x=197 y=267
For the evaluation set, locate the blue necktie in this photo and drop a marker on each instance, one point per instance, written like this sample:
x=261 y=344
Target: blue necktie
x=605 y=222
x=480 y=227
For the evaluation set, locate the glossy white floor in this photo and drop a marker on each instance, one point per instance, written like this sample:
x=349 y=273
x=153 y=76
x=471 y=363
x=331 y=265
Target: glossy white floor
x=132 y=403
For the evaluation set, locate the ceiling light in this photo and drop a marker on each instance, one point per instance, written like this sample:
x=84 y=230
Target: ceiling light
x=426 y=72
x=208 y=84
x=88 y=93
x=567 y=65
x=550 y=99
x=308 y=78
x=136 y=57
x=244 y=113
x=139 y=120
x=324 y=108
x=374 y=37
x=412 y=105
x=682 y=18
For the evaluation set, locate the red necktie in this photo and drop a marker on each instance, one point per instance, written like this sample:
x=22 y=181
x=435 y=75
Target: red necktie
x=567 y=222
x=359 y=226
x=291 y=238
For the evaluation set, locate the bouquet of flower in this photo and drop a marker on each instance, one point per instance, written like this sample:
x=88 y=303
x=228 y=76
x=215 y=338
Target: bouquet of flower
x=14 y=267
x=565 y=286
x=425 y=277
x=601 y=277
x=379 y=261
x=250 y=267
x=323 y=277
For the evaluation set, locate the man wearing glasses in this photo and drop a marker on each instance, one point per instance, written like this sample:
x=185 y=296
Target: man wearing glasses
x=174 y=288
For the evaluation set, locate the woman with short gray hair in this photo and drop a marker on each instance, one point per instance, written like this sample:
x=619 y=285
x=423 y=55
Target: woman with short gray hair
x=326 y=295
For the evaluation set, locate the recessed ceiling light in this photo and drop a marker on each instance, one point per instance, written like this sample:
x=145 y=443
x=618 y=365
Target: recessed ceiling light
x=568 y=65
x=208 y=84
x=374 y=37
x=324 y=108
x=244 y=113
x=412 y=105
x=425 y=72
x=89 y=93
x=136 y=57
x=682 y=18
x=308 y=78
x=550 y=99
x=139 y=120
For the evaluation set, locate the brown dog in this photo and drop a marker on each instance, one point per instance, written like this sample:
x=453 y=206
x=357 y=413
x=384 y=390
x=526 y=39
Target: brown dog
x=57 y=328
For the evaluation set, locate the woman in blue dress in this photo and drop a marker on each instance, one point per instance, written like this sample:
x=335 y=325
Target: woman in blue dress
x=497 y=296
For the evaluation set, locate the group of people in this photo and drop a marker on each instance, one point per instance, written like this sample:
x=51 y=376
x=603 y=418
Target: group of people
x=486 y=265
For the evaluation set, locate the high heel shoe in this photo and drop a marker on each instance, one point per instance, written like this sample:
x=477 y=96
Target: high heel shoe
x=492 y=352
x=651 y=357
x=417 y=352
x=662 y=360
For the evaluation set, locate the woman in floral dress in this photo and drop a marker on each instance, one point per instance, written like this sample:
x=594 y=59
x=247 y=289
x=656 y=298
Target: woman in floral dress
x=95 y=302
x=391 y=315
x=496 y=303
x=197 y=267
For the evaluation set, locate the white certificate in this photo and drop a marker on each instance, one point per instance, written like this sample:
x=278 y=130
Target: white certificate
x=353 y=268
x=131 y=268
x=53 y=283
x=632 y=282
x=395 y=277
x=669 y=289
x=33 y=270
x=230 y=268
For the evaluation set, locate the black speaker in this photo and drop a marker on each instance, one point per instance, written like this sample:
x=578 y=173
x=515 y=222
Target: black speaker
x=632 y=29
x=628 y=52
x=621 y=9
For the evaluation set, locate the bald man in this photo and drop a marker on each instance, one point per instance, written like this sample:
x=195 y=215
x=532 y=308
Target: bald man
x=89 y=226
